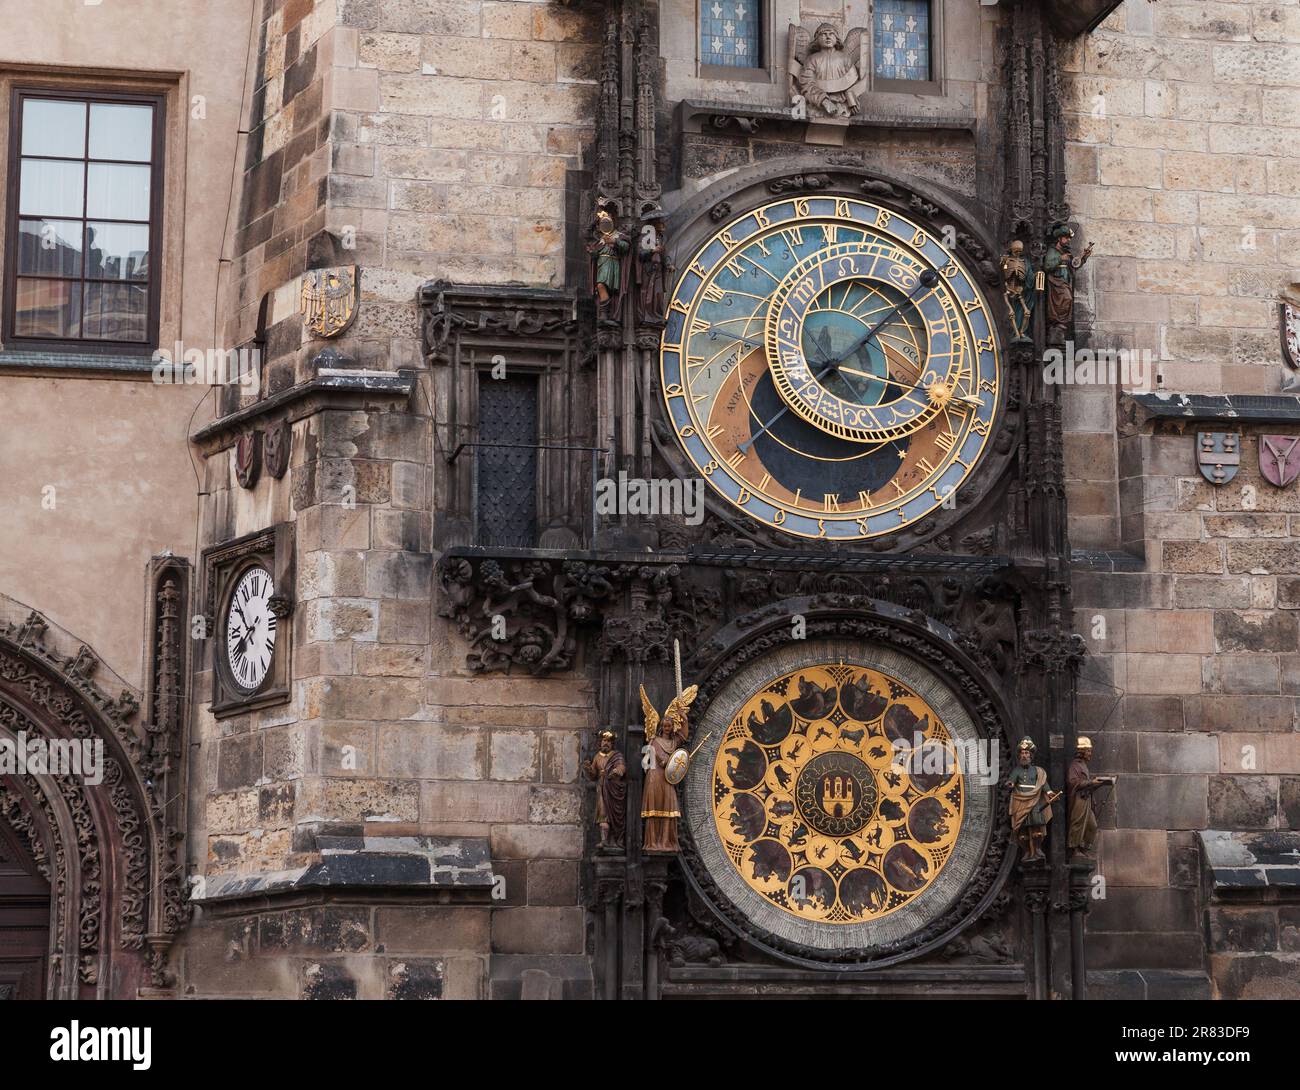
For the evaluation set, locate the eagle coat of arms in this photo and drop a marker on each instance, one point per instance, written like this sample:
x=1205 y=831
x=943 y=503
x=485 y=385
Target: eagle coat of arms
x=329 y=299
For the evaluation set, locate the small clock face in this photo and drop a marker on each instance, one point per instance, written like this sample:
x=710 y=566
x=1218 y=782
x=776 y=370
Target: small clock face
x=250 y=629
x=830 y=368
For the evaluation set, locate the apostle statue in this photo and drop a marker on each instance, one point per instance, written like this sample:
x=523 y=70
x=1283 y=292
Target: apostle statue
x=663 y=741
x=609 y=266
x=1031 y=802
x=1017 y=276
x=1060 y=267
x=1081 y=788
x=827 y=73
x=651 y=268
x=609 y=771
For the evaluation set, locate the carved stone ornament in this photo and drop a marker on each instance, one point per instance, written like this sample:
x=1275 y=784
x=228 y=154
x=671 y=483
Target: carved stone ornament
x=248 y=458
x=111 y=850
x=828 y=71
x=277 y=445
x=1218 y=455
x=329 y=299
x=1289 y=319
x=1279 y=459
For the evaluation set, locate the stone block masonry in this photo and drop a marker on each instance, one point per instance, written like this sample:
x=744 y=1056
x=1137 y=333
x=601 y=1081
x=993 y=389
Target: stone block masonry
x=1182 y=122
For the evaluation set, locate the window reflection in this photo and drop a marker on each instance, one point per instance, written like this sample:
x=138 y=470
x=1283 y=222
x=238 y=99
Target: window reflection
x=83 y=268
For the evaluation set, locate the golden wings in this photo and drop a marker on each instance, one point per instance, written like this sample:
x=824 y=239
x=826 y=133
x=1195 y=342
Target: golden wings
x=675 y=711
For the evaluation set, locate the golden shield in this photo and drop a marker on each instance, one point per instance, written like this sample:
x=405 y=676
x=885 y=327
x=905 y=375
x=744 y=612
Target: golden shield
x=329 y=298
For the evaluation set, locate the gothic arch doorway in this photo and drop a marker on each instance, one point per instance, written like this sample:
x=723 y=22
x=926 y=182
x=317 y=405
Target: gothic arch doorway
x=24 y=920
x=97 y=845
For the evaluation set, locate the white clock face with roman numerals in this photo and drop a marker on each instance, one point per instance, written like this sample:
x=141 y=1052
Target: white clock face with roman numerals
x=250 y=629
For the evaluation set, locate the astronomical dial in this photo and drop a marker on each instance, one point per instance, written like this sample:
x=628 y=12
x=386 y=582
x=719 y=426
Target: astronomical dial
x=830 y=367
x=250 y=629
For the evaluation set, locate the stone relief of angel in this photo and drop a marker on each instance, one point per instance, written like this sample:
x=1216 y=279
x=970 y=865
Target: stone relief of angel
x=827 y=72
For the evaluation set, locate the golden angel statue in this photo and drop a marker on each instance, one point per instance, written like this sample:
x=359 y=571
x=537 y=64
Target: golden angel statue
x=665 y=764
x=827 y=72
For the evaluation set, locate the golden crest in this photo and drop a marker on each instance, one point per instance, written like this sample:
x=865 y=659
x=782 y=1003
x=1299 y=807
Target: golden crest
x=329 y=299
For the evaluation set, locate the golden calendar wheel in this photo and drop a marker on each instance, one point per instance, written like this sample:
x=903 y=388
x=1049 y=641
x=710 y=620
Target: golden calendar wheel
x=822 y=808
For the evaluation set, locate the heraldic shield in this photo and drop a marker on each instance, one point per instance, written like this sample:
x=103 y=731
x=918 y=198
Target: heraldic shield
x=329 y=299
x=1279 y=459
x=1218 y=455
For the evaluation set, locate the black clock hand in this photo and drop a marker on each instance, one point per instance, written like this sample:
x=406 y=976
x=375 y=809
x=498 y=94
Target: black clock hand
x=754 y=438
x=928 y=280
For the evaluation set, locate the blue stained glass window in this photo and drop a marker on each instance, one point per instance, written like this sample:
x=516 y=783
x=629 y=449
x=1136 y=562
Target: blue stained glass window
x=900 y=47
x=729 y=33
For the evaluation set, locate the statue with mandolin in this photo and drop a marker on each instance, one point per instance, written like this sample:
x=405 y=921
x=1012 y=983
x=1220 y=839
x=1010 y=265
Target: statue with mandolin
x=666 y=763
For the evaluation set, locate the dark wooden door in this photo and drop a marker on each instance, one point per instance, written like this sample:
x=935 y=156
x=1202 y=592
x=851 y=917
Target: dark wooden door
x=24 y=921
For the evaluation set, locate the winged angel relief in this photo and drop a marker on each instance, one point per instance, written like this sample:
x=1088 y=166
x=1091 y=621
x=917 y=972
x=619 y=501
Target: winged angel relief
x=827 y=72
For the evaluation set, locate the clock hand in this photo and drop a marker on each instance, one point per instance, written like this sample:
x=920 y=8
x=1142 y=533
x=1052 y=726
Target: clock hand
x=754 y=438
x=928 y=280
x=962 y=399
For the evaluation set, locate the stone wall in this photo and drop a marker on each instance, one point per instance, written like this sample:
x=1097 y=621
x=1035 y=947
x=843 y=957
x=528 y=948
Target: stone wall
x=1184 y=175
x=447 y=134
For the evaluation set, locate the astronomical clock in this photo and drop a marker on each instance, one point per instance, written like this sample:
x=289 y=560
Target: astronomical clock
x=830 y=368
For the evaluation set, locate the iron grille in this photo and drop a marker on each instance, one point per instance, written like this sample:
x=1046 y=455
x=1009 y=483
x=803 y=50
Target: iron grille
x=506 y=492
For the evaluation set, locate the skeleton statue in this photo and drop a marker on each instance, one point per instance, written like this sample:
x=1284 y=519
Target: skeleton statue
x=1017 y=278
x=827 y=72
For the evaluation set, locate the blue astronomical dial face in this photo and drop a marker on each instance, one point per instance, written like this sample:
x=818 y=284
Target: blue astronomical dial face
x=830 y=367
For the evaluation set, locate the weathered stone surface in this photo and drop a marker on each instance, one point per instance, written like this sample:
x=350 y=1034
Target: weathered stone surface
x=1256 y=977
x=553 y=882
x=515 y=755
x=240 y=761
x=536 y=842
x=1177 y=753
x=1241 y=930
x=1162 y=802
x=537 y=930
x=403 y=929
x=1130 y=909
x=1240 y=713
x=431 y=751
x=416 y=978
x=1134 y=857
x=329 y=929
x=1243 y=802
x=554 y=805
x=1255 y=631
x=327 y=980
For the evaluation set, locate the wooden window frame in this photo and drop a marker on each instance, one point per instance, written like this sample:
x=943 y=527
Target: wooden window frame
x=89 y=95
